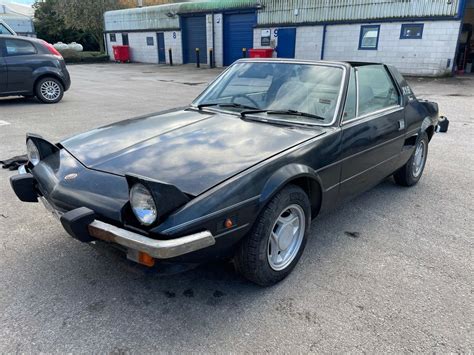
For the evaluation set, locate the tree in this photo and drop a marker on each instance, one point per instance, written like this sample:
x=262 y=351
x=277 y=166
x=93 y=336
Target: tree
x=86 y=15
x=50 y=26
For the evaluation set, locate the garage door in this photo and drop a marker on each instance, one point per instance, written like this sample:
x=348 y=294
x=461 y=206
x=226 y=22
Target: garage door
x=194 y=36
x=238 y=34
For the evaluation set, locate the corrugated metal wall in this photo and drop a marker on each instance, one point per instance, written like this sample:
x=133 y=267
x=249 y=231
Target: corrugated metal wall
x=153 y=17
x=277 y=12
x=19 y=24
x=307 y=11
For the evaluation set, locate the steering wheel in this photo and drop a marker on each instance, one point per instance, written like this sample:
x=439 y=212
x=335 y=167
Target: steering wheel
x=254 y=103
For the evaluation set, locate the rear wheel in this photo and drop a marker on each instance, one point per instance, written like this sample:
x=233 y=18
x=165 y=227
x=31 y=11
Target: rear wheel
x=275 y=244
x=49 y=90
x=411 y=172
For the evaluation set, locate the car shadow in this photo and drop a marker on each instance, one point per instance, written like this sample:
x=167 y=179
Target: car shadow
x=14 y=100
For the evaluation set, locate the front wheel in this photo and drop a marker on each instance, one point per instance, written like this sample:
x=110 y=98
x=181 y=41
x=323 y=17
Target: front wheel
x=411 y=172
x=277 y=240
x=49 y=90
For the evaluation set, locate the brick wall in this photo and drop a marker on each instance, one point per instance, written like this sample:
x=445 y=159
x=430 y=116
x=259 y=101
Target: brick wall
x=426 y=56
x=139 y=50
x=218 y=38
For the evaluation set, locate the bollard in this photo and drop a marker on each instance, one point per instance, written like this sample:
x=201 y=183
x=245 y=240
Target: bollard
x=244 y=52
x=211 y=58
x=170 y=53
x=198 y=63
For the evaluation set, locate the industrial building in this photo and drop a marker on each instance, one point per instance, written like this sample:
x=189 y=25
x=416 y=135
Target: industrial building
x=17 y=17
x=419 y=37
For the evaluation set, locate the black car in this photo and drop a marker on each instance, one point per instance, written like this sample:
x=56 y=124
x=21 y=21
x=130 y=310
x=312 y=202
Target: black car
x=32 y=67
x=242 y=171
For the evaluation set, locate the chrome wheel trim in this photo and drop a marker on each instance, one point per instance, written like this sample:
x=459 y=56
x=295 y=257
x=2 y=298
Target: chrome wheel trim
x=419 y=158
x=286 y=237
x=50 y=90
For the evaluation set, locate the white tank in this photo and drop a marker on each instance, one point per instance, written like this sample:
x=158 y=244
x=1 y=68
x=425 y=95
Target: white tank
x=75 y=47
x=60 y=46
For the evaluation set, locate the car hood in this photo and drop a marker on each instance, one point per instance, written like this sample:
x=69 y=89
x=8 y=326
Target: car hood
x=190 y=149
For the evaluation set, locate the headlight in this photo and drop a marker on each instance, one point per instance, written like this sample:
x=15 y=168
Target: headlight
x=143 y=205
x=33 y=152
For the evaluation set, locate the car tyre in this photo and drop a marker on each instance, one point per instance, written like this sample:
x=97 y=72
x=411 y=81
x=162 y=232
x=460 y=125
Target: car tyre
x=49 y=90
x=410 y=173
x=277 y=239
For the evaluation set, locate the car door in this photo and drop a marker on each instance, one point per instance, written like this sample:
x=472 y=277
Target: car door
x=21 y=60
x=372 y=129
x=3 y=70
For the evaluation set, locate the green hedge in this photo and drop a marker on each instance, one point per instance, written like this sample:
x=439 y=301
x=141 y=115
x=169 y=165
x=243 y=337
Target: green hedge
x=71 y=56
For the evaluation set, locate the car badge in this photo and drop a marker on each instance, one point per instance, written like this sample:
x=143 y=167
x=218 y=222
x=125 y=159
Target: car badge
x=70 y=177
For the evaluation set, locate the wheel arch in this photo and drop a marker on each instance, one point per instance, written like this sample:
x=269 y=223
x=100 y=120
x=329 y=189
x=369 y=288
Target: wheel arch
x=47 y=75
x=42 y=73
x=298 y=174
x=428 y=127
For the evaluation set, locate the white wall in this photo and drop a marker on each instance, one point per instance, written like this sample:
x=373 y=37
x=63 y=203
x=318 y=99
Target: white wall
x=218 y=38
x=118 y=42
x=257 y=38
x=307 y=45
x=426 y=56
x=308 y=42
x=139 y=50
x=173 y=41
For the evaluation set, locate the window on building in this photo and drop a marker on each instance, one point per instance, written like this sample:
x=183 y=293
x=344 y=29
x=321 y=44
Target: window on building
x=411 y=31
x=376 y=89
x=149 y=41
x=113 y=37
x=18 y=47
x=369 y=37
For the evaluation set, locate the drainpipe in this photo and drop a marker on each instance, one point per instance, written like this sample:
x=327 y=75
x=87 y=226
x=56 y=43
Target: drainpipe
x=323 y=42
x=212 y=61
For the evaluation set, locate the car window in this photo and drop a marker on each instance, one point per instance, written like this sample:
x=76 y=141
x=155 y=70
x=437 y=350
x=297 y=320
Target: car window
x=307 y=88
x=351 y=101
x=18 y=47
x=376 y=89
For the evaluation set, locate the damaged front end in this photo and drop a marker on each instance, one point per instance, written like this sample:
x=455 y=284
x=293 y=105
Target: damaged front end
x=95 y=205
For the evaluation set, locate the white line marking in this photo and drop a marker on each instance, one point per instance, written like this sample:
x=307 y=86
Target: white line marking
x=4 y=123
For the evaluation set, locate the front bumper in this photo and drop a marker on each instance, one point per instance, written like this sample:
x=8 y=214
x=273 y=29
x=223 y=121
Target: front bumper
x=81 y=224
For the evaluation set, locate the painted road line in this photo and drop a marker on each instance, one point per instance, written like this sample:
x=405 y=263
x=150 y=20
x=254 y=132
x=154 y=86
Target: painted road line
x=4 y=123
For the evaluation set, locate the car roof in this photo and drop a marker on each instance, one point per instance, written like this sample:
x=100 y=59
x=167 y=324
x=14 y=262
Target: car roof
x=308 y=61
x=31 y=39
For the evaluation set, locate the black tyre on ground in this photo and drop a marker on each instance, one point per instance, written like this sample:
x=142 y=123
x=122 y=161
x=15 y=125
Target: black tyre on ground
x=410 y=173
x=49 y=90
x=275 y=244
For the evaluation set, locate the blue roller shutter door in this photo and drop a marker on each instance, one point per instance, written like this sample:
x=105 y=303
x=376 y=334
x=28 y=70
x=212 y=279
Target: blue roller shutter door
x=238 y=34
x=194 y=36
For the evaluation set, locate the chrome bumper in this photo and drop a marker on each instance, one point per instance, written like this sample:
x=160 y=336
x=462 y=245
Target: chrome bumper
x=81 y=225
x=160 y=249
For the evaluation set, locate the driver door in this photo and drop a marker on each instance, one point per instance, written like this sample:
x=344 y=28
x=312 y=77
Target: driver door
x=372 y=132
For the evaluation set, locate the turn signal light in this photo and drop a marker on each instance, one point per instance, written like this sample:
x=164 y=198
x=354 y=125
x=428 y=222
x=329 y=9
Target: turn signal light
x=145 y=259
x=228 y=223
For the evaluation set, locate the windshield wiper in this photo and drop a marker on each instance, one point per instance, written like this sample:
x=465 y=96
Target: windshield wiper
x=294 y=113
x=230 y=104
x=282 y=112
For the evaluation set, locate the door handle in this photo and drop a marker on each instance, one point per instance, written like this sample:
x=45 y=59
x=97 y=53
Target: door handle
x=401 y=124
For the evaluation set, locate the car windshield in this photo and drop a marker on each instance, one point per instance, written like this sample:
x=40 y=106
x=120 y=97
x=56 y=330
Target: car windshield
x=309 y=93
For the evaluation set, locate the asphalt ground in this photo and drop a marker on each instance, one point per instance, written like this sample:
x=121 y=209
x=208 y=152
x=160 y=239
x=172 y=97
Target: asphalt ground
x=391 y=271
